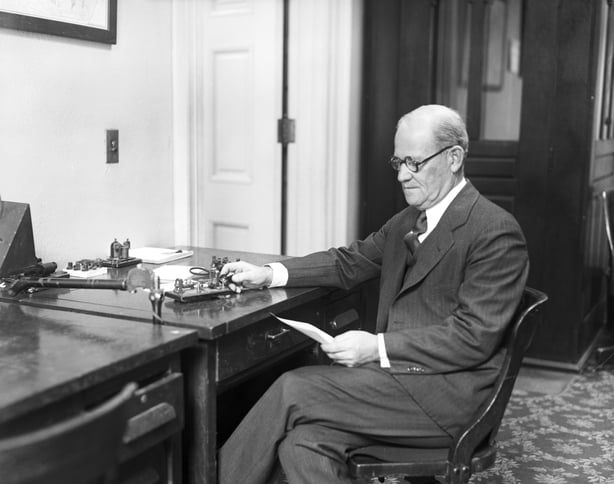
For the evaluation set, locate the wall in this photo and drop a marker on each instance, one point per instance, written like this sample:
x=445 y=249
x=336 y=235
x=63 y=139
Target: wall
x=58 y=97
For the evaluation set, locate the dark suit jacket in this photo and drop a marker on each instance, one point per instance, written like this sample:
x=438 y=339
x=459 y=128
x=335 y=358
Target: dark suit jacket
x=443 y=318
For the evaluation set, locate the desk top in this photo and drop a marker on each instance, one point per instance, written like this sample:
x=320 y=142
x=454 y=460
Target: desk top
x=47 y=355
x=211 y=318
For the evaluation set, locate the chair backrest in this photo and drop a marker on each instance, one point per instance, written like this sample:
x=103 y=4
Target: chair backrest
x=482 y=431
x=78 y=450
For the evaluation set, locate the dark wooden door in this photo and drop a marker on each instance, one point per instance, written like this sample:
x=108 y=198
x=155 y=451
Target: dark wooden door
x=523 y=74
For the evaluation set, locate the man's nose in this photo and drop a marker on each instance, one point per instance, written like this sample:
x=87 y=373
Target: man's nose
x=404 y=173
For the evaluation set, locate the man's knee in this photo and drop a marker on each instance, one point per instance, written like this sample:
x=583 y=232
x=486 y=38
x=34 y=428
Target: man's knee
x=294 y=385
x=298 y=441
x=312 y=450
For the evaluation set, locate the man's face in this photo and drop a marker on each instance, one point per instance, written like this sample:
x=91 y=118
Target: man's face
x=435 y=178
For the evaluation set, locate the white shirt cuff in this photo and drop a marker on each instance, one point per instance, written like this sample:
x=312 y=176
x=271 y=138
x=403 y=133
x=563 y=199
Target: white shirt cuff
x=384 y=362
x=280 y=274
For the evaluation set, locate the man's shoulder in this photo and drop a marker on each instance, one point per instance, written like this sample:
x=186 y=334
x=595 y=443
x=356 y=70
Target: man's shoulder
x=480 y=205
x=487 y=218
x=487 y=207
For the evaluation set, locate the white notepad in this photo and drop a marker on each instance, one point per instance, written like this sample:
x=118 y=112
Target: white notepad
x=159 y=255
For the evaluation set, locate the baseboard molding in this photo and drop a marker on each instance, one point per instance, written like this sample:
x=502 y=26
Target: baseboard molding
x=552 y=365
x=576 y=367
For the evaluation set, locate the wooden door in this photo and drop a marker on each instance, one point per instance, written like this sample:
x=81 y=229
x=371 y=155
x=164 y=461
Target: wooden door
x=524 y=75
x=452 y=53
x=227 y=84
x=238 y=166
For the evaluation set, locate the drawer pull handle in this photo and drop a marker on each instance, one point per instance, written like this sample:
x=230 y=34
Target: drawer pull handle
x=148 y=421
x=344 y=319
x=275 y=336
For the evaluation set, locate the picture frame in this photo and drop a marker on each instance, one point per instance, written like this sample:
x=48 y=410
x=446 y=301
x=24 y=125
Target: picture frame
x=92 y=20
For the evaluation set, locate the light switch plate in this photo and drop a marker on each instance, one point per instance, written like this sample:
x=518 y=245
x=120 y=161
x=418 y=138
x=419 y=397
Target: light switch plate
x=112 y=146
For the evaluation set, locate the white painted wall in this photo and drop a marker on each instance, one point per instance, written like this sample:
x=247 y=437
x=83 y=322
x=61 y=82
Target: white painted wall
x=58 y=96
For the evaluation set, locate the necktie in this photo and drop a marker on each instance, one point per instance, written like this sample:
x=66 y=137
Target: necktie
x=411 y=238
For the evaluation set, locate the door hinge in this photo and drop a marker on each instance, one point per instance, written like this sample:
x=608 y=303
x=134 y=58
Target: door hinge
x=285 y=131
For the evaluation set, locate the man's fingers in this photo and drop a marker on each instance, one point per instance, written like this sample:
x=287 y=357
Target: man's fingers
x=234 y=267
x=234 y=287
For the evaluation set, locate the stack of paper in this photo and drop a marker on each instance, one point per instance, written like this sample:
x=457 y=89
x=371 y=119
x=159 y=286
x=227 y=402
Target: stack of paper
x=158 y=255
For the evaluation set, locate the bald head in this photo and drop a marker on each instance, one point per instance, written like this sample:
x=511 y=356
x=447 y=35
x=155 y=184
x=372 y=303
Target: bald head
x=443 y=125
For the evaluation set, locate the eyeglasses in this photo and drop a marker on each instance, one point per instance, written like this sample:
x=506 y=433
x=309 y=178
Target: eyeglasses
x=413 y=166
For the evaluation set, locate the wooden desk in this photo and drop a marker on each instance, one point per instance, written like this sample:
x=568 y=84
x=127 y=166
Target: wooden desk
x=238 y=340
x=54 y=364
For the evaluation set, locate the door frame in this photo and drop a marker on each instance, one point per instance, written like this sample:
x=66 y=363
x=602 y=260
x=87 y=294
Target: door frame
x=323 y=162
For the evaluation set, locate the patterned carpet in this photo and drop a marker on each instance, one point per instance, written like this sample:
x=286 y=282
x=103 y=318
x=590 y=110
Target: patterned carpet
x=558 y=439
x=566 y=437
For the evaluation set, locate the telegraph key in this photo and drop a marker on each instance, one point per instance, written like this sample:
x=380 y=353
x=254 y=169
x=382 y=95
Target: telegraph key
x=204 y=283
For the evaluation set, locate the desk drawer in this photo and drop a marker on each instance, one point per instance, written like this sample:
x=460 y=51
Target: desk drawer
x=154 y=414
x=258 y=343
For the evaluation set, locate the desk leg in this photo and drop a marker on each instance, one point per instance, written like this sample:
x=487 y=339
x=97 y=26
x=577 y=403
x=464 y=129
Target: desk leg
x=200 y=434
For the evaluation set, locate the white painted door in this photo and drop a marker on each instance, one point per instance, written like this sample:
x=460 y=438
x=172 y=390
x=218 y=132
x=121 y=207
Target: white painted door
x=238 y=163
x=227 y=98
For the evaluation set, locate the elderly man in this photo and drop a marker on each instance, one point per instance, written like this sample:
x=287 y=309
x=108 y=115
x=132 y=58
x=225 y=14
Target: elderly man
x=452 y=268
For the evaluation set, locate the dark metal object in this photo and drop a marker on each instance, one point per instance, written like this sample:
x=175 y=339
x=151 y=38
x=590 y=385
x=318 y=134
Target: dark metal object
x=206 y=283
x=119 y=255
x=40 y=269
x=16 y=238
x=285 y=130
x=136 y=279
x=23 y=283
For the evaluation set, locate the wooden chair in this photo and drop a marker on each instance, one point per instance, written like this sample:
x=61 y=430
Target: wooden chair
x=475 y=447
x=79 y=450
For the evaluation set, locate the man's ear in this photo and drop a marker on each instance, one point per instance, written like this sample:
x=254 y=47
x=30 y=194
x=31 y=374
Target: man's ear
x=456 y=156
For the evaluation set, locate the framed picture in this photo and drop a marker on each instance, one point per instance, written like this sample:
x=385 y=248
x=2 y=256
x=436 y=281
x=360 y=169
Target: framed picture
x=94 y=20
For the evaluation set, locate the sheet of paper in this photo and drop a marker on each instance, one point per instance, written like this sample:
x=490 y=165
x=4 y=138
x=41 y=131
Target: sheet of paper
x=307 y=329
x=159 y=255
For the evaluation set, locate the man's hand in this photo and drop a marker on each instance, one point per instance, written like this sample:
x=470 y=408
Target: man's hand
x=352 y=348
x=244 y=274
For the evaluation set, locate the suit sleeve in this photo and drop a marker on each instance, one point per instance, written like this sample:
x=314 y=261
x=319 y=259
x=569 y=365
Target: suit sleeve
x=343 y=267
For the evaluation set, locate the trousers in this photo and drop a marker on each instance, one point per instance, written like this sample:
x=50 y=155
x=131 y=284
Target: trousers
x=311 y=417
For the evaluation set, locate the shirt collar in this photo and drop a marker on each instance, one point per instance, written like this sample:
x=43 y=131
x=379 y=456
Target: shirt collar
x=434 y=213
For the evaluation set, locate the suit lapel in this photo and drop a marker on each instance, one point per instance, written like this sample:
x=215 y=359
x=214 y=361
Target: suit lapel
x=441 y=239
x=395 y=263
